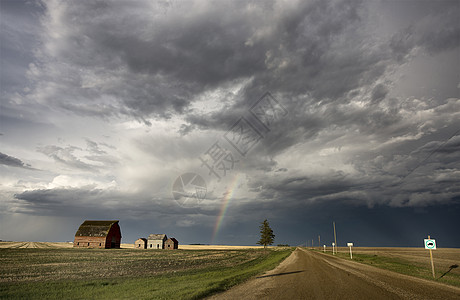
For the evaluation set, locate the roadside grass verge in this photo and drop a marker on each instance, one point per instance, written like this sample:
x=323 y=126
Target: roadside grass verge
x=194 y=283
x=402 y=266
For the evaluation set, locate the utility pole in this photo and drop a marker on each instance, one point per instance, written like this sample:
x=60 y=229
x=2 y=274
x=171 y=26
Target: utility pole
x=319 y=242
x=311 y=243
x=335 y=238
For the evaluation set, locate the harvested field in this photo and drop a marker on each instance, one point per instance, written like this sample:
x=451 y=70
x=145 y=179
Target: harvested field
x=18 y=265
x=35 y=245
x=79 y=273
x=443 y=257
x=410 y=261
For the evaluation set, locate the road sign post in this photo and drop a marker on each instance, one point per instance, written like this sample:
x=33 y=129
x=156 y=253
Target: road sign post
x=333 y=249
x=324 y=248
x=335 y=237
x=430 y=244
x=351 y=253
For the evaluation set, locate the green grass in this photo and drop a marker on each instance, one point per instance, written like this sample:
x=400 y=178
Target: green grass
x=402 y=266
x=135 y=274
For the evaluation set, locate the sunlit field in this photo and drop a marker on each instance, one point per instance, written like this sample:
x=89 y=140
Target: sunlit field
x=47 y=270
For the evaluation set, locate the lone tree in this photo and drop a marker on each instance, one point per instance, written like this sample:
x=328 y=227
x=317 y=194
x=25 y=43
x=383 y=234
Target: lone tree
x=266 y=234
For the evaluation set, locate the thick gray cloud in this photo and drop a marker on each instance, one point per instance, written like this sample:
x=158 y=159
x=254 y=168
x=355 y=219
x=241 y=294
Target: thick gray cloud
x=12 y=161
x=19 y=22
x=153 y=63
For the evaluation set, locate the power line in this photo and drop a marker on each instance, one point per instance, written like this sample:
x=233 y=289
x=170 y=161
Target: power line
x=429 y=155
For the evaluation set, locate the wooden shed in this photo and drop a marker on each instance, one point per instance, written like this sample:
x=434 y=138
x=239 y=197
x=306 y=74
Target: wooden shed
x=98 y=234
x=156 y=241
x=140 y=243
x=171 y=244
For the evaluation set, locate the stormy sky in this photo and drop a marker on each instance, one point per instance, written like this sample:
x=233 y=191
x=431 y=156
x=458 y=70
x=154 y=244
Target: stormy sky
x=199 y=119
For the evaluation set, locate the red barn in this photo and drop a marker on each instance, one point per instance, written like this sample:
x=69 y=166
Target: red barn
x=98 y=234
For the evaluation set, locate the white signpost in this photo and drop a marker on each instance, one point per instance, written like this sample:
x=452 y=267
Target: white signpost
x=333 y=251
x=350 y=245
x=430 y=244
x=324 y=248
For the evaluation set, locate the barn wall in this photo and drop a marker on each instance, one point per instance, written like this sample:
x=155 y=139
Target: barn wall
x=89 y=242
x=113 y=239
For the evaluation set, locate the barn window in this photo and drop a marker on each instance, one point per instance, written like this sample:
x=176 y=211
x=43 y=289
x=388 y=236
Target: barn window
x=78 y=243
x=88 y=244
x=100 y=244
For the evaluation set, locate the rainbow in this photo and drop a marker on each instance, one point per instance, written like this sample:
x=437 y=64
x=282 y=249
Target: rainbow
x=224 y=205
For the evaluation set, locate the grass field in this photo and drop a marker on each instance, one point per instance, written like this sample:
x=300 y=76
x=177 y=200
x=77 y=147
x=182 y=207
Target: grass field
x=410 y=261
x=61 y=272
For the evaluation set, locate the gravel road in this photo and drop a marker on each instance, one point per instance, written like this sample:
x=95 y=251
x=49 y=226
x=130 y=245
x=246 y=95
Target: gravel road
x=313 y=275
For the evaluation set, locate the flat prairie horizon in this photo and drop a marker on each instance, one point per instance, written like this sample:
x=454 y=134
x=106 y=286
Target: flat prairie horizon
x=443 y=257
x=364 y=249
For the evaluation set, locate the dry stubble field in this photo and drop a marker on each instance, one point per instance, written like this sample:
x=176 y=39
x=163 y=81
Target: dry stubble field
x=443 y=257
x=410 y=261
x=57 y=270
x=39 y=261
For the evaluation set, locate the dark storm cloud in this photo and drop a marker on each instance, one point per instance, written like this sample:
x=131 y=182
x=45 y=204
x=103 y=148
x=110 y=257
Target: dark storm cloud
x=149 y=63
x=152 y=61
x=71 y=202
x=101 y=202
x=13 y=161
x=379 y=92
x=451 y=146
x=315 y=56
x=301 y=188
x=335 y=62
x=143 y=63
x=397 y=180
x=379 y=226
x=19 y=21
x=445 y=35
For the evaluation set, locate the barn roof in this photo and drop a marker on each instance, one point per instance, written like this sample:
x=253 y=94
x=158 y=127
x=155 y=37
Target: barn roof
x=142 y=239
x=157 y=237
x=174 y=240
x=95 y=228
